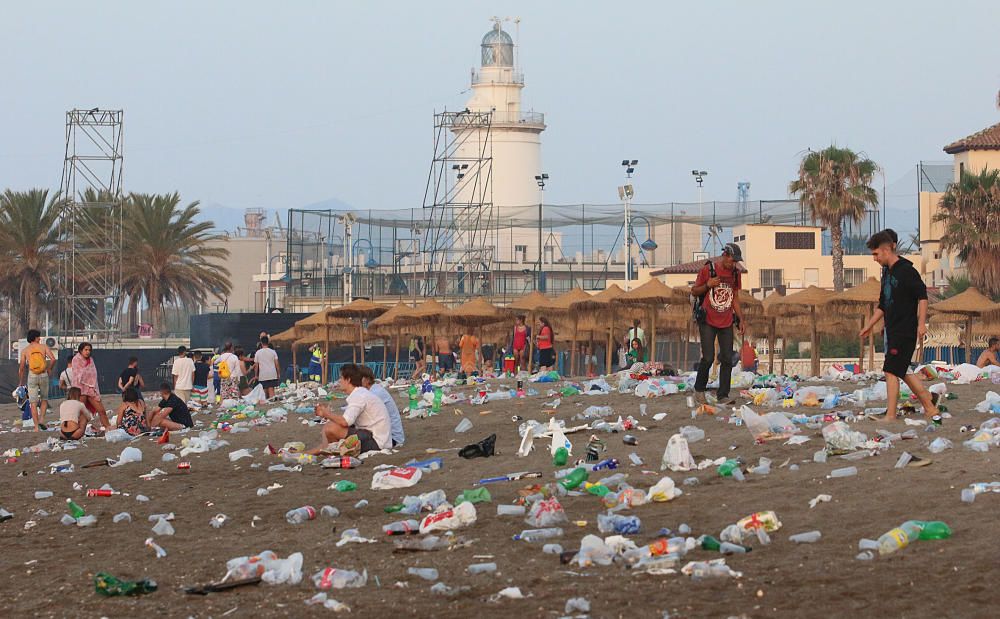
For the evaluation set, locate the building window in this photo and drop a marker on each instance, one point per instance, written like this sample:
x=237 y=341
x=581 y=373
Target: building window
x=811 y=277
x=794 y=240
x=854 y=277
x=521 y=253
x=771 y=278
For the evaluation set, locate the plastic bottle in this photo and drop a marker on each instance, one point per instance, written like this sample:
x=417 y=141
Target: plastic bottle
x=552 y=549
x=708 y=542
x=726 y=468
x=608 y=463
x=101 y=492
x=42 y=494
x=898 y=538
x=615 y=523
x=413 y=392
x=574 y=479
x=536 y=535
x=331 y=578
x=438 y=395
x=427 y=573
x=122 y=517
x=510 y=510
x=301 y=514
x=810 y=537
x=933 y=529
x=160 y=552
x=481 y=568
x=74 y=510
x=402 y=527
x=848 y=471
x=329 y=511
x=559 y=459
x=345 y=462
x=345 y=485
x=427 y=466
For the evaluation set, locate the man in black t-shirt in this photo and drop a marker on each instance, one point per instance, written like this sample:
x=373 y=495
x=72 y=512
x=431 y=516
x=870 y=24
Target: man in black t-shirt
x=903 y=304
x=171 y=413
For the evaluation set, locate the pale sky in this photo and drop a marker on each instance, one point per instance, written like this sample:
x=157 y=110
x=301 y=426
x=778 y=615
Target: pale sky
x=283 y=104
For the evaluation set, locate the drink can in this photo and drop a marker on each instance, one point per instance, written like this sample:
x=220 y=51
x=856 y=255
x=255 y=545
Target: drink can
x=936 y=420
x=690 y=401
x=184 y=465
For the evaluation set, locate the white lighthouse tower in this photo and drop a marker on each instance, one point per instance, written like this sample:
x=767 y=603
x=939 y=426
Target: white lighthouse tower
x=515 y=140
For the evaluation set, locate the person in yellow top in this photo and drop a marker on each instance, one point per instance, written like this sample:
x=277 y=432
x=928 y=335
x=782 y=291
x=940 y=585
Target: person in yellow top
x=470 y=349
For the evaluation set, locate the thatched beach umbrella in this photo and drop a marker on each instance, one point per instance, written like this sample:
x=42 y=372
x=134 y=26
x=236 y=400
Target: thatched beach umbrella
x=600 y=304
x=651 y=295
x=325 y=322
x=970 y=304
x=288 y=337
x=801 y=303
x=427 y=316
x=359 y=310
x=561 y=305
x=385 y=326
x=861 y=299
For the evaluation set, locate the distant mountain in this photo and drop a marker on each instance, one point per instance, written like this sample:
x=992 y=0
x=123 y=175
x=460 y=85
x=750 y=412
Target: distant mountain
x=229 y=218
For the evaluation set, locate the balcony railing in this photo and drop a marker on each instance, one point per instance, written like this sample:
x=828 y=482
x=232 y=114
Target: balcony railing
x=506 y=76
x=521 y=118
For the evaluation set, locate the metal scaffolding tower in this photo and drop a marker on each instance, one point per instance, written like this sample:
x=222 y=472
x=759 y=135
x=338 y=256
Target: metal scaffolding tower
x=461 y=242
x=90 y=227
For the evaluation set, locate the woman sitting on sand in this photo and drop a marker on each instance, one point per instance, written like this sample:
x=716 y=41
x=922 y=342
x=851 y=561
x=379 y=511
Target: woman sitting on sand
x=132 y=413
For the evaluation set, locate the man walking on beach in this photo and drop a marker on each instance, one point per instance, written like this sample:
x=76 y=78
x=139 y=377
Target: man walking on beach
x=717 y=289
x=903 y=304
x=37 y=362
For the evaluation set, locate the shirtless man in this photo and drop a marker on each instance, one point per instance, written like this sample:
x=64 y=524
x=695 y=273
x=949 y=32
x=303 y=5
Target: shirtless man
x=989 y=356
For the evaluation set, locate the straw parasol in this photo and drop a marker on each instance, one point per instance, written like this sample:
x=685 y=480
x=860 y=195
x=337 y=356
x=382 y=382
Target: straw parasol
x=860 y=299
x=651 y=295
x=600 y=303
x=288 y=337
x=359 y=309
x=801 y=303
x=476 y=313
x=970 y=304
x=429 y=313
x=387 y=324
x=324 y=321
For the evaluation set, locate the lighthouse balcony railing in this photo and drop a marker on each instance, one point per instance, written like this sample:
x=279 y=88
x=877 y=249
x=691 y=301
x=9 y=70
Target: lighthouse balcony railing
x=520 y=118
x=503 y=76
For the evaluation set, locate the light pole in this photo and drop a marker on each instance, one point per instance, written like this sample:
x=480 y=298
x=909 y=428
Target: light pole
x=348 y=221
x=625 y=193
x=540 y=179
x=699 y=177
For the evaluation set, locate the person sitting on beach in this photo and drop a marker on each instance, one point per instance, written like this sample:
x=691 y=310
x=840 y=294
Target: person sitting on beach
x=364 y=417
x=73 y=416
x=395 y=421
x=989 y=356
x=635 y=352
x=172 y=413
x=132 y=415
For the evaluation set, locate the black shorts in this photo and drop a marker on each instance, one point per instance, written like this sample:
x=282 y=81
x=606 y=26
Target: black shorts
x=446 y=361
x=368 y=442
x=547 y=357
x=270 y=384
x=897 y=356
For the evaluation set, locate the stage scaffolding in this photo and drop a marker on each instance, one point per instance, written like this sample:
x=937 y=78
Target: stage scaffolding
x=393 y=254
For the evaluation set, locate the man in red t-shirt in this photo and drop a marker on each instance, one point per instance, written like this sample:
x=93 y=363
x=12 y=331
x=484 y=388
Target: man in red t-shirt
x=720 y=302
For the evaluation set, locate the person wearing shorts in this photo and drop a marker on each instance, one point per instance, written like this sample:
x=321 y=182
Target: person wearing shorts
x=365 y=416
x=35 y=372
x=903 y=304
x=545 y=341
x=446 y=359
x=183 y=373
x=266 y=366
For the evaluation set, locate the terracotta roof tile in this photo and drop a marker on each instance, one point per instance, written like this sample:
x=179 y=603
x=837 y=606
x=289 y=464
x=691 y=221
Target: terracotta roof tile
x=987 y=139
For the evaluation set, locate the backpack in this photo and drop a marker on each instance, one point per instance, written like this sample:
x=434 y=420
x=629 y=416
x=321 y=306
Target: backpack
x=224 y=371
x=37 y=362
x=698 y=313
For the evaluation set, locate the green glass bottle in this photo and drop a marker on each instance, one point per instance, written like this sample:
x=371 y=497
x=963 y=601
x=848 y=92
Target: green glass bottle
x=710 y=543
x=108 y=585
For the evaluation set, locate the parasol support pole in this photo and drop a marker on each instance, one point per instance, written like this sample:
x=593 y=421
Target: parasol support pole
x=573 y=351
x=770 y=345
x=861 y=348
x=395 y=366
x=814 y=342
x=326 y=357
x=385 y=356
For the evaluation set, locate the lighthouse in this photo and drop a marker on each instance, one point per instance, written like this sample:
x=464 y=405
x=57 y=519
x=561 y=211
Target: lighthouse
x=515 y=144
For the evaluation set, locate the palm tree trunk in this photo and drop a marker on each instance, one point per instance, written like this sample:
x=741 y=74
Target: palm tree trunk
x=837 y=239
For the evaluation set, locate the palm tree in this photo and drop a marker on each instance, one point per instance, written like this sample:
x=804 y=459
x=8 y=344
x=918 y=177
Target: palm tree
x=956 y=285
x=167 y=255
x=29 y=265
x=970 y=211
x=835 y=185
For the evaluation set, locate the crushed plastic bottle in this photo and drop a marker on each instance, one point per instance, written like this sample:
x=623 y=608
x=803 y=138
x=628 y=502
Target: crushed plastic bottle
x=898 y=538
x=156 y=548
x=42 y=494
x=848 y=471
x=332 y=578
x=301 y=514
x=510 y=510
x=537 y=535
x=329 y=511
x=427 y=573
x=481 y=568
x=615 y=523
x=810 y=537
x=122 y=517
x=107 y=585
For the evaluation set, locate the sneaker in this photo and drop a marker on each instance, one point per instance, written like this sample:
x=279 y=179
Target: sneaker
x=727 y=401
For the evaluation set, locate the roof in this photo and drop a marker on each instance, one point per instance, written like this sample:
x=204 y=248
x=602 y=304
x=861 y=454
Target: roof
x=987 y=139
x=969 y=302
x=691 y=267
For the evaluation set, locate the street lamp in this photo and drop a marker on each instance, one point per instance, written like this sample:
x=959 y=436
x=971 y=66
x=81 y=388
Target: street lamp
x=625 y=193
x=540 y=179
x=348 y=220
x=699 y=177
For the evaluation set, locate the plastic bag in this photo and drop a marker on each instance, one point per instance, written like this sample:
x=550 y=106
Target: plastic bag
x=840 y=437
x=755 y=423
x=129 y=454
x=593 y=551
x=117 y=436
x=663 y=490
x=403 y=477
x=546 y=513
x=677 y=455
x=986 y=405
x=256 y=395
x=449 y=519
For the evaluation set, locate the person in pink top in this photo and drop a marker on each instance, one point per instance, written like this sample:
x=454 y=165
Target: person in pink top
x=84 y=374
x=519 y=343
